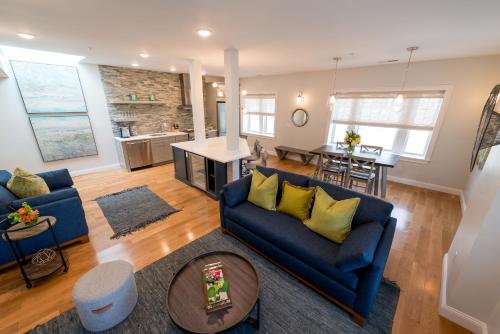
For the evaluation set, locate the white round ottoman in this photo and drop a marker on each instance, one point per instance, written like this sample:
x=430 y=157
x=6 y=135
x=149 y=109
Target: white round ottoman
x=105 y=295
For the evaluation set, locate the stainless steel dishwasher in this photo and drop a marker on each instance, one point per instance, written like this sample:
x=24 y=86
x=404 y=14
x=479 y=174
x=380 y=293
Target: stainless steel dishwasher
x=139 y=153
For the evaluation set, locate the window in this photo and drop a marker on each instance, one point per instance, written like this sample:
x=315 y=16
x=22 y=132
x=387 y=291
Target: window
x=407 y=131
x=258 y=114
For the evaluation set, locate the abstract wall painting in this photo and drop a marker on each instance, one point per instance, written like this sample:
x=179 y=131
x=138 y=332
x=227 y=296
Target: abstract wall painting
x=48 y=88
x=63 y=137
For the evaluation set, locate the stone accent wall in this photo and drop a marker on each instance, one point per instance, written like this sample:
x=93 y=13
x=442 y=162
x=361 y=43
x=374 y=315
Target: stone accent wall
x=119 y=82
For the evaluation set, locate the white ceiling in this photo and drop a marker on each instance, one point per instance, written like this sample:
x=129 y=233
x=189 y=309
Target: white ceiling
x=273 y=36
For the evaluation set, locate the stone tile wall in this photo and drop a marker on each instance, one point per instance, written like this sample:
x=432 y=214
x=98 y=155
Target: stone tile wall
x=119 y=82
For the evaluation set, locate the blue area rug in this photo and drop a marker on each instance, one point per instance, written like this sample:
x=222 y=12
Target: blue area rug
x=287 y=306
x=132 y=209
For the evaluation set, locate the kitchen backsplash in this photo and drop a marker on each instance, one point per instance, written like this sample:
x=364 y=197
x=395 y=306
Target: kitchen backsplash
x=119 y=82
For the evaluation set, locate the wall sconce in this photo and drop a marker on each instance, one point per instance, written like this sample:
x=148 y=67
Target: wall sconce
x=244 y=92
x=220 y=93
x=300 y=98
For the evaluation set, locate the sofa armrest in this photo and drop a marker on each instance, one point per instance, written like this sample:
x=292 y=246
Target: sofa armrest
x=236 y=192
x=370 y=276
x=57 y=179
x=358 y=249
x=46 y=198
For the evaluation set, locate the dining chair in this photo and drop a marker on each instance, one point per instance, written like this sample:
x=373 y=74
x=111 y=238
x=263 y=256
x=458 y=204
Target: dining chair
x=341 y=145
x=371 y=149
x=332 y=168
x=361 y=173
x=264 y=155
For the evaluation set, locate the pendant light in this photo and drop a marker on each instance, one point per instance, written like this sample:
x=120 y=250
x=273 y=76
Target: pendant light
x=332 y=98
x=398 y=101
x=300 y=98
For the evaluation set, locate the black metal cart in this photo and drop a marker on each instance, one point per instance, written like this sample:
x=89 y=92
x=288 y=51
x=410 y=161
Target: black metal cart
x=30 y=270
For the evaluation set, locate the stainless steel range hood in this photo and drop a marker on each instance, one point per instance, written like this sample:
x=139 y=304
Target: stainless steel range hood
x=185 y=91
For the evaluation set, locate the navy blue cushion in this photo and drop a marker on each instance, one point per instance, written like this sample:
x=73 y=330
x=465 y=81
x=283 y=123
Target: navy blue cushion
x=293 y=237
x=237 y=192
x=54 y=196
x=6 y=198
x=359 y=247
x=57 y=179
x=369 y=209
x=4 y=177
x=295 y=179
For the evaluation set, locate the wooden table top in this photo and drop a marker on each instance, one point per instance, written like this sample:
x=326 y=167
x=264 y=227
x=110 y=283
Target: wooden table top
x=186 y=298
x=29 y=231
x=386 y=159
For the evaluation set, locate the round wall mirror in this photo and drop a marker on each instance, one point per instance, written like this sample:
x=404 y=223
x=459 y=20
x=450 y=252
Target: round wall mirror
x=300 y=117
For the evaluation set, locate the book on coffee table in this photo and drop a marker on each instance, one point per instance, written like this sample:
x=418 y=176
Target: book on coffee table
x=216 y=287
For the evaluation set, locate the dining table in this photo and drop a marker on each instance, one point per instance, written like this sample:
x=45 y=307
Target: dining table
x=383 y=161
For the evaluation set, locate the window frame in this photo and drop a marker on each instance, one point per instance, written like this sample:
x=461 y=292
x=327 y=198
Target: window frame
x=261 y=114
x=434 y=132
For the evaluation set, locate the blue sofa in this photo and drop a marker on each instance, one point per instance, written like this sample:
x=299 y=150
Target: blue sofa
x=63 y=202
x=348 y=274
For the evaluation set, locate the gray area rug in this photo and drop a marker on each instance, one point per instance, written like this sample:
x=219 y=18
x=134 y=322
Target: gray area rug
x=132 y=209
x=287 y=306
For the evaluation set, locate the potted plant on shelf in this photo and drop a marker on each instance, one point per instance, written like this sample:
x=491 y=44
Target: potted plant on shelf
x=25 y=214
x=351 y=139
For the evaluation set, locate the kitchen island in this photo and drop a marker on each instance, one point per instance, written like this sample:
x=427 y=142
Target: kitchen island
x=208 y=165
x=147 y=150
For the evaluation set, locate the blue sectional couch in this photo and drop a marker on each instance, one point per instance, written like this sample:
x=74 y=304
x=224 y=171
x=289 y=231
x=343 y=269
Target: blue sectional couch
x=63 y=202
x=348 y=274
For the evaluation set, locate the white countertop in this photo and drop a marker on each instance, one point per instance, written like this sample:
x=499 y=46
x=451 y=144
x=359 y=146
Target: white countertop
x=152 y=136
x=215 y=149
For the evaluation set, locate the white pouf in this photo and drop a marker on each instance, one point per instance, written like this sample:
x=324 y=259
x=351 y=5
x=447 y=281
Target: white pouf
x=105 y=295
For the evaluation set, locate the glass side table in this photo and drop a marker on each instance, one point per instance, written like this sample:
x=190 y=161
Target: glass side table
x=30 y=270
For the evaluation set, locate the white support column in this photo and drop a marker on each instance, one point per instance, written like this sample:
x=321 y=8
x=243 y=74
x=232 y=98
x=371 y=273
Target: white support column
x=232 y=93
x=196 y=80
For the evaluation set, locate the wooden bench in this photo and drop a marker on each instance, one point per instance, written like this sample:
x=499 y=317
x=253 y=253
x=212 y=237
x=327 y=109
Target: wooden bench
x=282 y=152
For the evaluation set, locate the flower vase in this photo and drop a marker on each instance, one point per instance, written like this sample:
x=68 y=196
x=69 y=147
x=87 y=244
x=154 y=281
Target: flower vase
x=350 y=149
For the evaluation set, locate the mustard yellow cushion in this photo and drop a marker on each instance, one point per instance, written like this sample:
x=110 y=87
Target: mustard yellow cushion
x=263 y=190
x=330 y=218
x=296 y=201
x=24 y=184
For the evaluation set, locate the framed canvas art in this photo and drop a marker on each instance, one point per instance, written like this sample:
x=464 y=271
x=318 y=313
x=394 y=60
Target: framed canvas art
x=63 y=137
x=48 y=88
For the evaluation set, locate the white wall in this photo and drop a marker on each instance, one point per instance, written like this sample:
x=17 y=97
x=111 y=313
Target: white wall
x=473 y=258
x=471 y=80
x=18 y=146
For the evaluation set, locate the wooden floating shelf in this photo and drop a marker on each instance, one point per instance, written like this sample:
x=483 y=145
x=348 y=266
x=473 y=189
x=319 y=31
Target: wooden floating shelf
x=138 y=102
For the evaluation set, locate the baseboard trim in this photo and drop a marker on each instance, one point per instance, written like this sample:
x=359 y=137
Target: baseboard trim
x=453 y=314
x=94 y=170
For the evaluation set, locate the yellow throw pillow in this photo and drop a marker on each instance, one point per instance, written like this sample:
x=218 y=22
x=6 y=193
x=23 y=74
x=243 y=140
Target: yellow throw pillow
x=263 y=190
x=330 y=218
x=24 y=184
x=296 y=201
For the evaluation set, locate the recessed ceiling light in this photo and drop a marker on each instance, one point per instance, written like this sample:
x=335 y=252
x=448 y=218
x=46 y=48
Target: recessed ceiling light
x=135 y=64
x=214 y=84
x=203 y=32
x=203 y=73
x=25 y=36
x=172 y=69
x=144 y=55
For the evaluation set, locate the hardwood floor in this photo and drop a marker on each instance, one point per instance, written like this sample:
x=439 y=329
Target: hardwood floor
x=427 y=221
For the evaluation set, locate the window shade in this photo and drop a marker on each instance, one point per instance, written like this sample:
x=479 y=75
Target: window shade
x=419 y=111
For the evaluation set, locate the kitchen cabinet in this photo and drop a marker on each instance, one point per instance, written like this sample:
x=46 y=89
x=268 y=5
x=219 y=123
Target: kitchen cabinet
x=162 y=151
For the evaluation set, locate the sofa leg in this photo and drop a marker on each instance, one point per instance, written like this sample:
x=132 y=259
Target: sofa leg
x=358 y=319
x=223 y=230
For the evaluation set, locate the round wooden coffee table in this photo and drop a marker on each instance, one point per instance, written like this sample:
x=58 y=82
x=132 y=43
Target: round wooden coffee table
x=186 y=299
